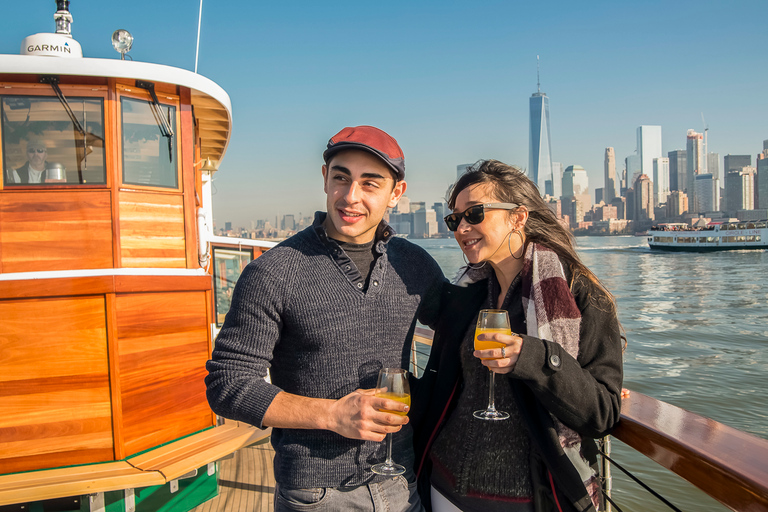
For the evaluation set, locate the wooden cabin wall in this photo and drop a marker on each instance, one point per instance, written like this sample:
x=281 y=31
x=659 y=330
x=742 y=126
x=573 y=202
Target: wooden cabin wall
x=152 y=229
x=97 y=369
x=55 y=230
x=54 y=383
x=162 y=346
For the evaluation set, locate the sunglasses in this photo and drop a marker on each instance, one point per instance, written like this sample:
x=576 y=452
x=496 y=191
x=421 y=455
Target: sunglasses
x=475 y=214
x=32 y=150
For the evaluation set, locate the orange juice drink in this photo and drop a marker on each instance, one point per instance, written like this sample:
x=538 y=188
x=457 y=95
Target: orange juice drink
x=484 y=344
x=399 y=397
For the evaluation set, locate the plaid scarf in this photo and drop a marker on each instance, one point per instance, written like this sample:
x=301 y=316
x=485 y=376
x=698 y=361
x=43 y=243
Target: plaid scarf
x=551 y=314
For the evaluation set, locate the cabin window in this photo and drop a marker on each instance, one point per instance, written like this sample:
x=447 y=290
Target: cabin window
x=149 y=155
x=228 y=264
x=47 y=143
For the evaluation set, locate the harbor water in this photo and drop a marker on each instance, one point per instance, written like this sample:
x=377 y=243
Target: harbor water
x=697 y=330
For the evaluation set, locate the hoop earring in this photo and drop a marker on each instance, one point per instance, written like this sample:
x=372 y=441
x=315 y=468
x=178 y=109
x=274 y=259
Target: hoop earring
x=469 y=265
x=509 y=244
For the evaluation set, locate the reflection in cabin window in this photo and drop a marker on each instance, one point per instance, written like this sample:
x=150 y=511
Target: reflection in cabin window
x=228 y=264
x=43 y=145
x=149 y=157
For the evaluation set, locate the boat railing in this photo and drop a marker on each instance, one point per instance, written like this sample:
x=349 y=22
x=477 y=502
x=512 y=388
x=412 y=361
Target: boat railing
x=729 y=465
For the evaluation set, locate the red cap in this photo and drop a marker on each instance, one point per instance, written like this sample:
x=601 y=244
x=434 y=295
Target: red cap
x=372 y=140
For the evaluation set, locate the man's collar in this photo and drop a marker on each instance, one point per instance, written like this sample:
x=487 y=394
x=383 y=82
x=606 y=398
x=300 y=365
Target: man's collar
x=384 y=232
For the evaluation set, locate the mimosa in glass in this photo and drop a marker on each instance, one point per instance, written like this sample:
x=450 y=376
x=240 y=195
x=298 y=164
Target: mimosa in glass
x=393 y=385
x=491 y=321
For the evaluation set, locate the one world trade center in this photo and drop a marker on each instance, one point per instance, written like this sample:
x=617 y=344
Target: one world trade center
x=539 y=149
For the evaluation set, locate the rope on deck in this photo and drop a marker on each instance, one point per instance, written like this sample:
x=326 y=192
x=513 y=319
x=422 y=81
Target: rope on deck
x=639 y=482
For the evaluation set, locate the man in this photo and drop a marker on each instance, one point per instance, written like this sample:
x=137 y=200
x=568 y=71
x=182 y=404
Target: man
x=325 y=310
x=33 y=171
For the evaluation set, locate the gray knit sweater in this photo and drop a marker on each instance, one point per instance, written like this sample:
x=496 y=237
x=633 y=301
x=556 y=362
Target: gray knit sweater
x=299 y=311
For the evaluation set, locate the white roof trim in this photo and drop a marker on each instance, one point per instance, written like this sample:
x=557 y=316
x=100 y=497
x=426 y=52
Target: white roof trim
x=115 y=68
x=60 y=274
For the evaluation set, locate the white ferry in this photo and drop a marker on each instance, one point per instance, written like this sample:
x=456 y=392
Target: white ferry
x=720 y=237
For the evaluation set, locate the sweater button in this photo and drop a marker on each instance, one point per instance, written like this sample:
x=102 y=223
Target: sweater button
x=554 y=360
x=359 y=285
x=347 y=267
x=375 y=283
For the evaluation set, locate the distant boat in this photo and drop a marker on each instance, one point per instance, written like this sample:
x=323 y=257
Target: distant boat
x=718 y=237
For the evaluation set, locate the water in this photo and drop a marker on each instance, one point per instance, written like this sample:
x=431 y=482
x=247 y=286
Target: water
x=697 y=330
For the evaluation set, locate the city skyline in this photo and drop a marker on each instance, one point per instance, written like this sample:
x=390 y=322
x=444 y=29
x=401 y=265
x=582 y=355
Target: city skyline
x=450 y=81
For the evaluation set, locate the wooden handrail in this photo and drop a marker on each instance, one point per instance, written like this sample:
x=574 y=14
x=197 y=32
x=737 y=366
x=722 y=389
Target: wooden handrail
x=726 y=463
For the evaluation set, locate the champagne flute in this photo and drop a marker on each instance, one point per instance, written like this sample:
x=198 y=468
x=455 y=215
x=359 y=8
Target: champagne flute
x=393 y=385
x=491 y=321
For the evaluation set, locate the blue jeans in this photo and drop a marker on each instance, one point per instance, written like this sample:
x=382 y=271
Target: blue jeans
x=394 y=494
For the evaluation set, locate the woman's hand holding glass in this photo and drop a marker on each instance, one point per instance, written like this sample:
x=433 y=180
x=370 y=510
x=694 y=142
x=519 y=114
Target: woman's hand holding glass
x=500 y=360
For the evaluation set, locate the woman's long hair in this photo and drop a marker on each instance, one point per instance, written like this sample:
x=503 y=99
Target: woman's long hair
x=510 y=185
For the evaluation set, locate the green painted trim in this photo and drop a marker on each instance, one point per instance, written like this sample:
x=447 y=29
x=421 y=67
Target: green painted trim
x=109 y=461
x=165 y=444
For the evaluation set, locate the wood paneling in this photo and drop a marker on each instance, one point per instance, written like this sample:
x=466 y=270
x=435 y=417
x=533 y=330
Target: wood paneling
x=55 y=230
x=188 y=173
x=55 y=383
x=163 y=346
x=152 y=230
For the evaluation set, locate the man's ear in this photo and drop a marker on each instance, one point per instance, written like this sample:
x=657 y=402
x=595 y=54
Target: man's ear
x=324 y=170
x=397 y=193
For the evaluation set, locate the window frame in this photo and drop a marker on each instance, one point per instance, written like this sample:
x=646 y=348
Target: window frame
x=165 y=99
x=70 y=91
x=247 y=251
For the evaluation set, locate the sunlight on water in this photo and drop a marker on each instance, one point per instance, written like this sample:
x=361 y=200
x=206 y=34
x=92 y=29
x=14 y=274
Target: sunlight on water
x=697 y=331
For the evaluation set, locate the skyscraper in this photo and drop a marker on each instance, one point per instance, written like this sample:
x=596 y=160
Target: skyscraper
x=660 y=180
x=677 y=168
x=557 y=179
x=713 y=165
x=609 y=190
x=633 y=165
x=708 y=192
x=643 y=198
x=539 y=146
x=736 y=162
x=695 y=161
x=761 y=178
x=740 y=189
x=648 y=147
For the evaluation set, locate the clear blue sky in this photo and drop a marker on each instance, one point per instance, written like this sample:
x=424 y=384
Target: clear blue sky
x=449 y=80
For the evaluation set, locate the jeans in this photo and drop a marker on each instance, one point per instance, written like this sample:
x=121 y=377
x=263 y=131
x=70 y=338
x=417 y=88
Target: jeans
x=395 y=494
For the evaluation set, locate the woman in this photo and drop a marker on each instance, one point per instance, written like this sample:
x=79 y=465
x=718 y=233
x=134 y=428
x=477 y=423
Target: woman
x=560 y=379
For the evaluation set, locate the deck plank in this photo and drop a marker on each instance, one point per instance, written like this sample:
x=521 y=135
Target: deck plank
x=246 y=482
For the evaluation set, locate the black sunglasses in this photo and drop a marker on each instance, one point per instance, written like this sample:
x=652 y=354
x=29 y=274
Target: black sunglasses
x=475 y=214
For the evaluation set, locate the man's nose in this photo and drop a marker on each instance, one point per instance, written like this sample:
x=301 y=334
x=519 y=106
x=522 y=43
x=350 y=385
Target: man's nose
x=353 y=193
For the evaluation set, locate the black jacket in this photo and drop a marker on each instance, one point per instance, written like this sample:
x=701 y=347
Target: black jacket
x=584 y=394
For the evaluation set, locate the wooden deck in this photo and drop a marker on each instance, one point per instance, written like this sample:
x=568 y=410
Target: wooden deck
x=246 y=481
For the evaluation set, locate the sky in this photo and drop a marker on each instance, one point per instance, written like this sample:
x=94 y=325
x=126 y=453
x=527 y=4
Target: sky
x=449 y=80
